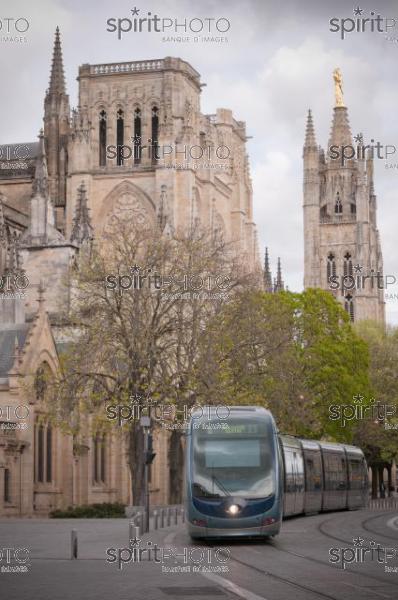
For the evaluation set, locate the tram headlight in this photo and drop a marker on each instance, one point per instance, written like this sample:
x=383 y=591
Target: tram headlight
x=233 y=509
x=234 y=505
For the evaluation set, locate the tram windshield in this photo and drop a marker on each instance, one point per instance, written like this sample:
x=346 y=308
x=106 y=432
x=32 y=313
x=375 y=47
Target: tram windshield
x=233 y=460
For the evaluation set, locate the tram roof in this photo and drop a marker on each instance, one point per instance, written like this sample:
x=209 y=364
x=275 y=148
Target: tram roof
x=223 y=412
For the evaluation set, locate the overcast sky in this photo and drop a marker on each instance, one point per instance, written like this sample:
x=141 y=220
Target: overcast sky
x=277 y=62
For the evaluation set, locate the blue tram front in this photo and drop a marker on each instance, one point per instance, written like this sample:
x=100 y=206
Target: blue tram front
x=234 y=479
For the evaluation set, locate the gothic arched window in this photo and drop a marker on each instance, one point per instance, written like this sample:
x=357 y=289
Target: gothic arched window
x=99 y=458
x=347 y=264
x=137 y=141
x=155 y=133
x=43 y=434
x=42 y=381
x=49 y=453
x=331 y=266
x=349 y=306
x=102 y=138
x=119 y=136
x=43 y=450
x=40 y=384
x=338 y=207
x=7 y=485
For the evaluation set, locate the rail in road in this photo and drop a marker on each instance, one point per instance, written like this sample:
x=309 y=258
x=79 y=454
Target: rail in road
x=308 y=570
x=294 y=564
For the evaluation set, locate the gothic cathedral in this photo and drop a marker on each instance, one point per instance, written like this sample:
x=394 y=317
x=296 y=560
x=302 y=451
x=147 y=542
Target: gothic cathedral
x=138 y=147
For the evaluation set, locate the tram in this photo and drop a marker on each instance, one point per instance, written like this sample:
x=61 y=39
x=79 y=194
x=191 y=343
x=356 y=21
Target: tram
x=243 y=478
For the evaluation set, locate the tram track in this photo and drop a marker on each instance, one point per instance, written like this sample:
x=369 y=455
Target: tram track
x=320 y=528
x=313 y=560
x=280 y=579
x=273 y=576
x=385 y=535
x=287 y=581
x=326 y=564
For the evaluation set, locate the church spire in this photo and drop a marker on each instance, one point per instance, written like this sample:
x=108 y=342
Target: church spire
x=310 y=139
x=279 y=284
x=340 y=134
x=82 y=230
x=56 y=133
x=57 y=78
x=267 y=273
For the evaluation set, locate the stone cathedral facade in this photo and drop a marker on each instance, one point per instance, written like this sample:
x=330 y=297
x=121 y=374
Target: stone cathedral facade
x=137 y=146
x=341 y=239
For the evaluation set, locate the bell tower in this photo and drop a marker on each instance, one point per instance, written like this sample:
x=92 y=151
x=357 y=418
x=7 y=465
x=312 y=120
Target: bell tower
x=341 y=239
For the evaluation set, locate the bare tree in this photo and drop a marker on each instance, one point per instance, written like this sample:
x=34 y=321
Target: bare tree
x=140 y=303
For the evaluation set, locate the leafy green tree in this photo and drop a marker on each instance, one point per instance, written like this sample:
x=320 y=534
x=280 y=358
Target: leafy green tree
x=296 y=354
x=378 y=436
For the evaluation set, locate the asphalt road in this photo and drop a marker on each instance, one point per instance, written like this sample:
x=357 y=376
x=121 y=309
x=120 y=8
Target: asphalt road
x=334 y=556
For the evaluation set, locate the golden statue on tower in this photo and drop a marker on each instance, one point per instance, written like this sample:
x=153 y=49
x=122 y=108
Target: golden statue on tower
x=338 y=87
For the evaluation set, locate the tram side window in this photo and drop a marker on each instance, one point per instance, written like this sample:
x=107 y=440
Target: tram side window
x=289 y=471
x=335 y=472
x=299 y=468
x=309 y=467
x=356 y=474
x=313 y=473
x=328 y=471
x=342 y=475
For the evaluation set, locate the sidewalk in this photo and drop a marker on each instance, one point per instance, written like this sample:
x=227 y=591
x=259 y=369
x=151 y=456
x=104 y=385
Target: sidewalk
x=52 y=575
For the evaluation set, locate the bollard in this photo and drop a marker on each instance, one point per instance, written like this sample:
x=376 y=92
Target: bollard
x=134 y=531
x=137 y=521
x=74 y=545
x=168 y=517
x=162 y=518
x=176 y=516
x=142 y=523
x=183 y=515
x=155 y=519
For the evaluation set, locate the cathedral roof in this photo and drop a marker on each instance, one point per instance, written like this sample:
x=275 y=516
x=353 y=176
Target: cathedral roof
x=23 y=153
x=168 y=63
x=18 y=151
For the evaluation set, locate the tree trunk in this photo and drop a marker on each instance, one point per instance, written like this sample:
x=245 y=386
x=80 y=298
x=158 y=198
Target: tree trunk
x=176 y=467
x=381 y=482
x=375 y=475
x=389 y=468
x=136 y=463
